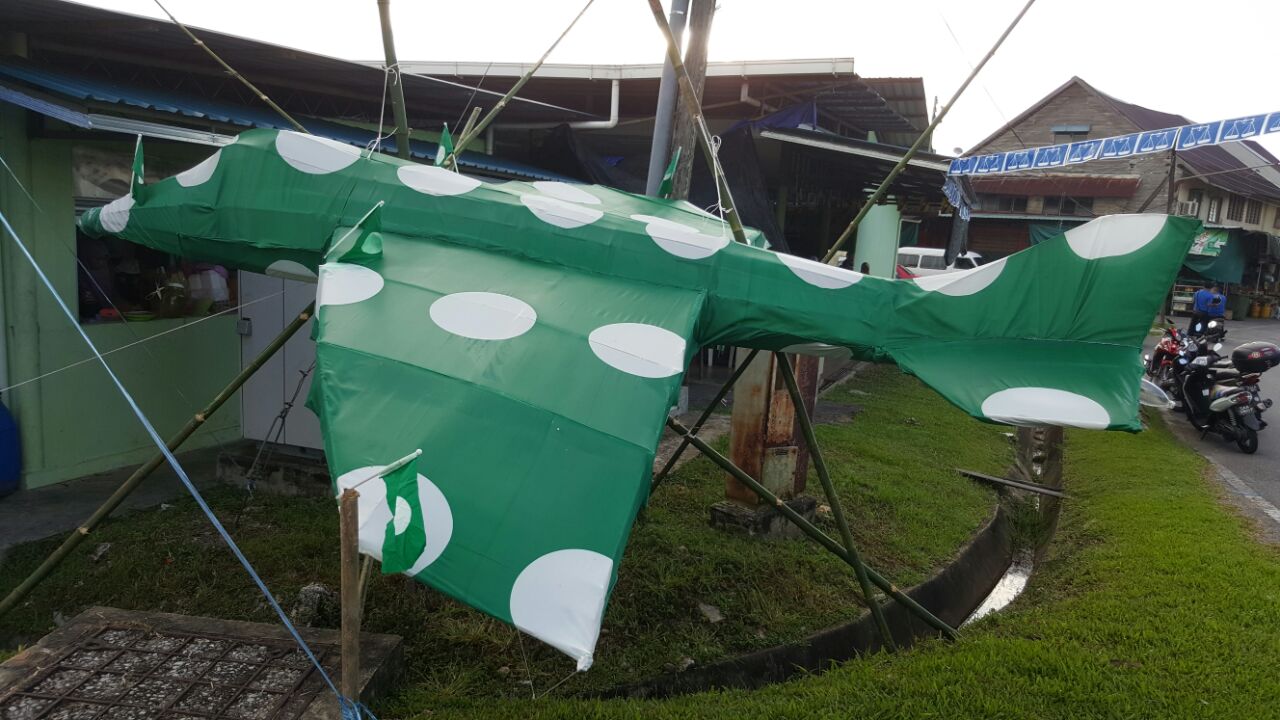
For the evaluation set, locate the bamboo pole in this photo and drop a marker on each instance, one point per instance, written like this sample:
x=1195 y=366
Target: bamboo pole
x=232 y=72
x=452 y=159
x=348 y=513
x=837 y=508
x=397 y=86
x=691 y=100
x=812 y=531
x=702 y=419
x=920 y=141
x=79 y=534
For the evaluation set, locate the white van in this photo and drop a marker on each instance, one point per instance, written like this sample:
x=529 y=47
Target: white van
x=930 y=261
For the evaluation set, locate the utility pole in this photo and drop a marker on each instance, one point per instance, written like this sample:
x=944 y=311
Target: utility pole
x=695 y=63
x=397 y=86
x=664 y=117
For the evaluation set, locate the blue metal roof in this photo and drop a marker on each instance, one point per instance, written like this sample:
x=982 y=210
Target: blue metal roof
x=175 y=102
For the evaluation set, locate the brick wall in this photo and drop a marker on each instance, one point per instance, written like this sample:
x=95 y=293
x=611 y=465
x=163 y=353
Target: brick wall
x=1076 y=105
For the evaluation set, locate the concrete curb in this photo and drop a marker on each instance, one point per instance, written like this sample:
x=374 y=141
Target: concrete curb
x=952 y=594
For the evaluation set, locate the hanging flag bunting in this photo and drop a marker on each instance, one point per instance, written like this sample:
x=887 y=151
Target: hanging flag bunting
x=1184 y=137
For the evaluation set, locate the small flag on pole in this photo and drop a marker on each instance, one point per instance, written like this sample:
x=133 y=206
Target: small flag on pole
x=368 y=243
x=669 y=176
x=406 y=534
x=445 y=149
x=135 y=181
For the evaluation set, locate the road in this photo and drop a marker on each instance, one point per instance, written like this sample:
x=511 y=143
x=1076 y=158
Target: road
x=1259 y=472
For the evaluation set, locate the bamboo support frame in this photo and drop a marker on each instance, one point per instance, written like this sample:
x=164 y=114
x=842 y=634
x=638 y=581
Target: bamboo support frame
x=232 y=72
x=812 y=531
x=397 y=85
x=452 y=160
x=79 y=534
x=702 y=419
x=694 y=103
x=837 y=508
x=920 y=141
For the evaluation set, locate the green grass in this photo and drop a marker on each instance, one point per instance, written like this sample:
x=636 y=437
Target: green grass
x=892 y=465
x=1153 y=601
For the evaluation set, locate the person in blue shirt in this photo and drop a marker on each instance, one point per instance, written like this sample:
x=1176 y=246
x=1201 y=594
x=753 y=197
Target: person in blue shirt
x=1209 y=303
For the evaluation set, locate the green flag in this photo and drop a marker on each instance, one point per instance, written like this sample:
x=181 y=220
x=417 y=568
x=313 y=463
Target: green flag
x=368 y=242
x=135 y=181
x=669 y=177
x=445 y=149
x=406 y=534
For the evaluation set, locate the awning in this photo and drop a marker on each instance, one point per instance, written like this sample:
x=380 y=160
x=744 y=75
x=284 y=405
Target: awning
x=1227 y=266
x=1094 y=186
x=57 y=93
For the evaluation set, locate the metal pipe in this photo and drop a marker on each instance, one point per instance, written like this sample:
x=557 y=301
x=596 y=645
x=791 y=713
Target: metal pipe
x=837 y=508
x=665 y=115
x=615 y=98
x=702 y=419
x=397 y=86
x=812 y=531
x=79 y=534
x=920 y=141
x=694 y=103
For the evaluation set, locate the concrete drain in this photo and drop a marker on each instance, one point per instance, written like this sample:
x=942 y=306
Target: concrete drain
x=111 y=665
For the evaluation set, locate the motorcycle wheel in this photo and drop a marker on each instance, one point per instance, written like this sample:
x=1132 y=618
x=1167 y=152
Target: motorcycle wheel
x=1247 y=441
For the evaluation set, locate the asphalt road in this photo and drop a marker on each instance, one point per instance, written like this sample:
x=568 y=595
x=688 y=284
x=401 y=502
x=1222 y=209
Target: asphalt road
x=1260 y=472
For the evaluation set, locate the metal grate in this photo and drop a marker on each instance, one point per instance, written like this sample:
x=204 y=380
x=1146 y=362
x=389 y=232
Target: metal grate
x=124 y=673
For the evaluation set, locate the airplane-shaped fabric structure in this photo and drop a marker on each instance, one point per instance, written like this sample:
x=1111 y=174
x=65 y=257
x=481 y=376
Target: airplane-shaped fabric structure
x=531 y=337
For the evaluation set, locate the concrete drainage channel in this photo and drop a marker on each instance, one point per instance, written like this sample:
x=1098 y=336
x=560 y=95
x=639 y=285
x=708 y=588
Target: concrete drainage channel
x=988 y=574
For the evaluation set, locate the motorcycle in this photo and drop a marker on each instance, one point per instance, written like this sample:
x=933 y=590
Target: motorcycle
x=1167 y=364
x=1222 y=397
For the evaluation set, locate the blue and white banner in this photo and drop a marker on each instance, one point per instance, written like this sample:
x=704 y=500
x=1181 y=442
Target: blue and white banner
x=1185 y=137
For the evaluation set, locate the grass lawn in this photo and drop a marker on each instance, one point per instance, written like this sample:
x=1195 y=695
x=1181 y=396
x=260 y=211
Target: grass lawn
x=910 y=513
x=1153 y=602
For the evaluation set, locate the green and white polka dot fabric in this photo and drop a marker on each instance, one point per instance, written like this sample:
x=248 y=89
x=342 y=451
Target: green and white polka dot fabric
x=530 y=337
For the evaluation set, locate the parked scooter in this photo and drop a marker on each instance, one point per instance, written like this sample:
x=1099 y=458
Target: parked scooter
x=1222 y=397
x=1167 y=364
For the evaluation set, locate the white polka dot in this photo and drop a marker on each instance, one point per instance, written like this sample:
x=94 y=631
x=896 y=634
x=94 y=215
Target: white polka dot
x=1114 y=235
x=822 y=275
x=566 y=192
x=290 y=270
x=559 y=599
x=403 y=516
x=436 y=180
x=638 y=349
x=115 y=214
x=374 y=514
x=560 y=213
x=483 y=315
x=1045 y=406
x=962 y=282
x=346 y=283
x=199 y=174
x=314 y=155
x=682 y=240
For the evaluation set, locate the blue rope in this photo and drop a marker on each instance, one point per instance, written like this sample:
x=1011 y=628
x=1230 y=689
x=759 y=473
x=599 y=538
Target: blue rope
x=351 y=709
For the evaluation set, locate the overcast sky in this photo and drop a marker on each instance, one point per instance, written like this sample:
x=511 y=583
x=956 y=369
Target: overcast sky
x=1204 y=60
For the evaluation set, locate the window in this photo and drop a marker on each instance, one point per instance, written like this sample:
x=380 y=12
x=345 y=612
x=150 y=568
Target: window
x=1003 y=203
x=1253 y=212
x=908 y=260
x=932 y=262
x=1215 y=210
x=1058 y=205
x=1235 y=208
x=1276 y=222
x=139 y=282
x=1069 y=133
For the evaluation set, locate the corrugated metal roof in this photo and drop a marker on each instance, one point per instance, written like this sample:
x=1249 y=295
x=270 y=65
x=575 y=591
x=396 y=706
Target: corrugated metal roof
x=1073 y=185
x=94 y=90
x=1214 y=159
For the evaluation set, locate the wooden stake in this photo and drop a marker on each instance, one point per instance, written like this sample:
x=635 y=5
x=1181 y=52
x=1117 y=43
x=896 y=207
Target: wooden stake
x=348 y=513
